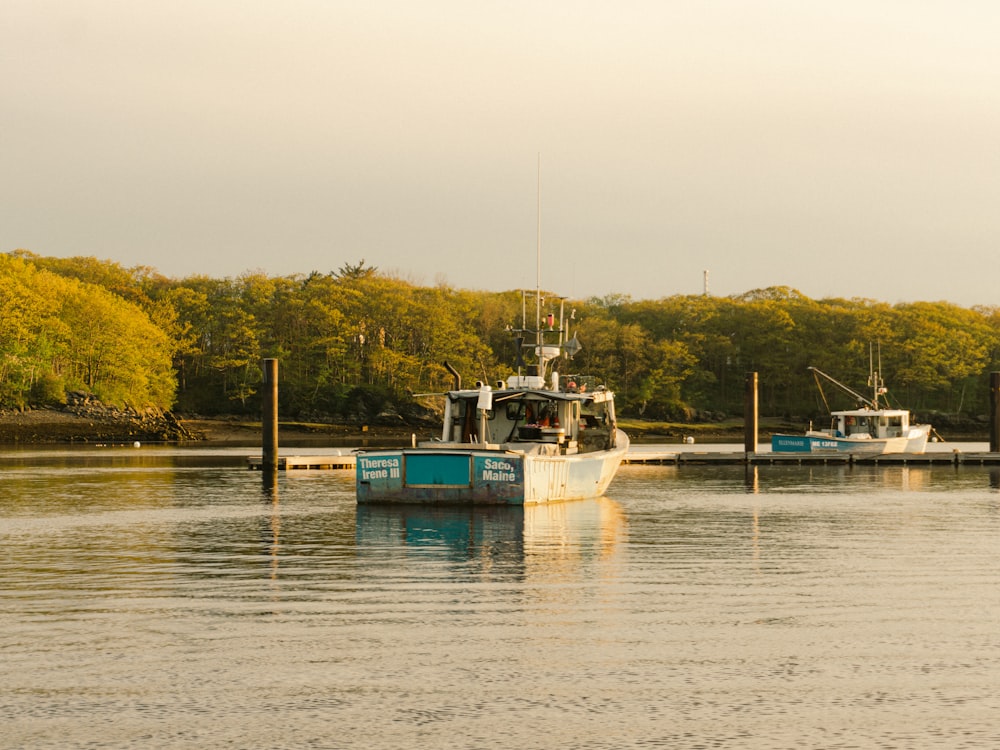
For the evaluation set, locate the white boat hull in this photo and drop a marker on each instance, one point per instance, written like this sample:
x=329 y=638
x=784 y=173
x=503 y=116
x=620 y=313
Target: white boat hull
x=478 y=476
x=915 y=441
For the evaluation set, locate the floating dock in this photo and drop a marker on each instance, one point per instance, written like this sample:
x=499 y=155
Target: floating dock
x=940 y=458
x=347 y=461
x=290 y=463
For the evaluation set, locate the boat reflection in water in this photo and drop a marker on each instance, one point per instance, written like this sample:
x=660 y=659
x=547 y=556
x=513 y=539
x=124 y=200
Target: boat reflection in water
x=510 y=539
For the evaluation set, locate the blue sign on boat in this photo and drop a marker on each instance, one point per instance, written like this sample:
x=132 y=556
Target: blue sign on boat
x=790 y=444
x=439 y=469
x=499 y=470
x=805 y=444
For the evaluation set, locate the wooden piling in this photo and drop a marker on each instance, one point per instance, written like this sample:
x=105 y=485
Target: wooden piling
x=269 y=416
x=994 y=412
x=750 y=413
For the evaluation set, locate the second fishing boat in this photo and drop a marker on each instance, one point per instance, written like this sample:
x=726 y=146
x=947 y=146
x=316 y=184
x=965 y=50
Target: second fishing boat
x=871 y=428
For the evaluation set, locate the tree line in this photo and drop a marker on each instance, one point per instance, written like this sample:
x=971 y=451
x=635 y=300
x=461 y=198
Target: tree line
x=356 y=344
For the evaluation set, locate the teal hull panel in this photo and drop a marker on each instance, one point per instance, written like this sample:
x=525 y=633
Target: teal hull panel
x=427 y=476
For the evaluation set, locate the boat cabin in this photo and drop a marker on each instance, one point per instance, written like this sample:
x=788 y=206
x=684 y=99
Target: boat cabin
x=860 y=424
x=575 y=417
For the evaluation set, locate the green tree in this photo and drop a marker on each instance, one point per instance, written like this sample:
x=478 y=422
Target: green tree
x=64 y=331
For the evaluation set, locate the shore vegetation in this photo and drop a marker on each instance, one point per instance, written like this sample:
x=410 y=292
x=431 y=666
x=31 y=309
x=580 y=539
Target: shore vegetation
x=357 y=346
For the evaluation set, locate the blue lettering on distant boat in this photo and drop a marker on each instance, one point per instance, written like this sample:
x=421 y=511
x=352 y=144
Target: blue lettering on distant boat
x=802 y=444
x=786 y=441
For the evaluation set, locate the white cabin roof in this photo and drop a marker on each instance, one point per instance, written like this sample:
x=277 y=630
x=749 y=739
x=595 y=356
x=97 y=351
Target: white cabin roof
x=871 y=413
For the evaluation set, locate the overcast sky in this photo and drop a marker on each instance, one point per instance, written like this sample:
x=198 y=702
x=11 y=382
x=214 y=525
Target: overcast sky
x=847 y=149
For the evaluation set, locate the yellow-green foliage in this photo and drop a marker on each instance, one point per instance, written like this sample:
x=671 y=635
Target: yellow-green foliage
x=58 y=329
x=359 y=336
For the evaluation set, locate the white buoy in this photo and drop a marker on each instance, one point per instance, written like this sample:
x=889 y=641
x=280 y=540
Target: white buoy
x=689 y=440
x=136 y=444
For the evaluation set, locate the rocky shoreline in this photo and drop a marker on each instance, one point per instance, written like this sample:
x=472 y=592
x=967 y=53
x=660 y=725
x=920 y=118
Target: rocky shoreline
x=85 y=420
x=88 y=421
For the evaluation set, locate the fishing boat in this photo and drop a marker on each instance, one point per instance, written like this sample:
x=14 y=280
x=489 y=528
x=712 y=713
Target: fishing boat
x=538 y=437
x=869 y=429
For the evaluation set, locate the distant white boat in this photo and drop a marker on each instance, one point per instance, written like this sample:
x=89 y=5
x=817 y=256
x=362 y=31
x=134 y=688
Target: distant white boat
x=869 y=429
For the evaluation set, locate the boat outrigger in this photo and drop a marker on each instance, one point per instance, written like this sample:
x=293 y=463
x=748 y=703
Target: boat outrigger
x=869 y=429
x=538 y=437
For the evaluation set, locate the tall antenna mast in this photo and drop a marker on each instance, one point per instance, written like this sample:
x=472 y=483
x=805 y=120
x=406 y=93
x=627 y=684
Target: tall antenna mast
x=538 y=253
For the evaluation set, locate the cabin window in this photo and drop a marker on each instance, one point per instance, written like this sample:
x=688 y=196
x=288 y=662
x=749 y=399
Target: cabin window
x=548 y=415
x=857 y=426
x=593 y=416
x=516 y=410
x=531 y=413
x=893 y=426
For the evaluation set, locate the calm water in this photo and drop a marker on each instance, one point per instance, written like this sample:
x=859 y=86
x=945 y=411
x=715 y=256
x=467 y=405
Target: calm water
x=166 y=598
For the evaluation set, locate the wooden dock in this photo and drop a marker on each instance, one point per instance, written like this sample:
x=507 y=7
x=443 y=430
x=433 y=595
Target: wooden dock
x=680 y=458
x=348 y=460
x=292 y=463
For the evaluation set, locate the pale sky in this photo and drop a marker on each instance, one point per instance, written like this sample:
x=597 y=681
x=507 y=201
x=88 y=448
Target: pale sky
x=847 y=149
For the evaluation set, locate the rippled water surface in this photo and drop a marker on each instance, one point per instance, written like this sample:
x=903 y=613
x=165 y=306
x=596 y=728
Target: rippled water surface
x=168 y=598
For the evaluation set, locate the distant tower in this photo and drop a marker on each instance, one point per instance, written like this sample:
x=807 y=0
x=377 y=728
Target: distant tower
x=706 y=282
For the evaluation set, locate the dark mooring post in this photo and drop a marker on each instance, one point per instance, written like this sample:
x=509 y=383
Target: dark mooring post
x=994 y=412
x=750 y=413
x=269 y=417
